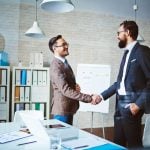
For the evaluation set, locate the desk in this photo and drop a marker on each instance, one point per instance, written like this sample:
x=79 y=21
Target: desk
x=42 y=145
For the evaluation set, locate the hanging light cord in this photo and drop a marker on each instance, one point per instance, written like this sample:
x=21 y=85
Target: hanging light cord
x=36 y=10
x=135 y=7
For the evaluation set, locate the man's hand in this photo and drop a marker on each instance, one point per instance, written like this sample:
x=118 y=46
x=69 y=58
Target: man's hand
x=134 y=108
x=78 y=89
x=96 y=99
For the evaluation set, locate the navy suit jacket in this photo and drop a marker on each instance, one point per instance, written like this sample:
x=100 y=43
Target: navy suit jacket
x=137 y=78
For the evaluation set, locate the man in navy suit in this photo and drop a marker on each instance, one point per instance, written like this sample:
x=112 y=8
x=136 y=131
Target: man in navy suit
x=132 y=87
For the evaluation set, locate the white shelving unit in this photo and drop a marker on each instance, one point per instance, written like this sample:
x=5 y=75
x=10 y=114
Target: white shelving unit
x=31 y=89
x=4 y=93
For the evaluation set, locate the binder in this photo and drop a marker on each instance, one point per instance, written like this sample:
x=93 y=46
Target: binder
x=44 y=77
x=36 y=60
x=28 y=79
x=27 y=94
x=3 y=94
x=0 y=76
x=27 y=106
x=21 y=106
x=17 y=93
x=18 y=76
x=35 y=77
x=37 y=106
x=42 y=108
x=41 y=59
x=22 y=94
x=4 y=77
x=33 y=106
x=31 y=63
x=40 y=77
x=23 y=76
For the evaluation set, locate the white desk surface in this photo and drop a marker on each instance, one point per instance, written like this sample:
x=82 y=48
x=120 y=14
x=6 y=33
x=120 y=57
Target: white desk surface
x=11 y=126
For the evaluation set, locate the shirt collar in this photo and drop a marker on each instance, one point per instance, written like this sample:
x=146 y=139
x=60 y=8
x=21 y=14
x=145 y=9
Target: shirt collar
x=130 y=46
x=60 y=58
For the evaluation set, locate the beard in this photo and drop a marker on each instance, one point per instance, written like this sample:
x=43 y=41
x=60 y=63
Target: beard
x=122 y=43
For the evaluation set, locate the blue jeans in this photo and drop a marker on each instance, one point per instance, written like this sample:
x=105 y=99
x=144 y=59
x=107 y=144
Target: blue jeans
x=66 y=118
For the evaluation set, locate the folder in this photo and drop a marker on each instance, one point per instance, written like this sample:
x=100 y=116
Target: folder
x=40 y=77
x=35 y=77
x=44 y=77
x=23 y=76
x=22 y=94
x=3 y=94
x=18 y=76
x=21 y=106
x=17 y=93
x=33 y=106
x=0 y=76
x=42 y=108
x=37 y=106
x=31 y=63
x=107 y=146
x=41 y=59
x=27 y=94
x=28 y=79
x=36 y=60
x=4 y=77
x=27 y=106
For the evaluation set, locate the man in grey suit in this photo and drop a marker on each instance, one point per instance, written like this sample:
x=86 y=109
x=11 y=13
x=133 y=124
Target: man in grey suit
x=132 y=87
x=66 y=93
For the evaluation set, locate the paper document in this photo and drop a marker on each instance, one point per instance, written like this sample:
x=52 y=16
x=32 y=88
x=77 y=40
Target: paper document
x=11 y=136
x=83 y=143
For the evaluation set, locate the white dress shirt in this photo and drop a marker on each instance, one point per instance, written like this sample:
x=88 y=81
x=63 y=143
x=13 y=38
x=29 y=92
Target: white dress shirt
x=122 y=90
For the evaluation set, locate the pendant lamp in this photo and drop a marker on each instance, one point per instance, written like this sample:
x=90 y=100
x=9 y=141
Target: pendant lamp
x=35 y=30
x=57 y=6
x=135 y=8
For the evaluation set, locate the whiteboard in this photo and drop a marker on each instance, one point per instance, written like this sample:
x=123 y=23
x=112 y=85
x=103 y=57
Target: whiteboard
x=93 y=79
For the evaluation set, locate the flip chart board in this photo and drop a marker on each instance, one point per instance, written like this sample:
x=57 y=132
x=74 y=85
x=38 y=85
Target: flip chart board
x=93 y=79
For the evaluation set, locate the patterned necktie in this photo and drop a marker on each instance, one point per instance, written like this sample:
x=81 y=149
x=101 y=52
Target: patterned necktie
x=122 y=65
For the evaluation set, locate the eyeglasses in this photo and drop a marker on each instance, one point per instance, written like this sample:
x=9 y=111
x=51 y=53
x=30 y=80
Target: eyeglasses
x=63 y=45
x=120 y=32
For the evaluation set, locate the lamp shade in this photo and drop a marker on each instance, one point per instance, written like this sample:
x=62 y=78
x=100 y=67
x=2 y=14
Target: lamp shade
x=35 y=31
x=140 y=38
x=57 y=6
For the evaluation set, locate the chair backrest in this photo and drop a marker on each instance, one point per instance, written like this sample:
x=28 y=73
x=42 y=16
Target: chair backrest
x=146 y=134
x=35 y=114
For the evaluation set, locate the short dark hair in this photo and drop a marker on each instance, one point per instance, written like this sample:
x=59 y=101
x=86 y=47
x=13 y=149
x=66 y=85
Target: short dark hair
x=132 y=27
x=52 y=41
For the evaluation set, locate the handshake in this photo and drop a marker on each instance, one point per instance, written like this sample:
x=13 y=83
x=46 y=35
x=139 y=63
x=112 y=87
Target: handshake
x=96 y=99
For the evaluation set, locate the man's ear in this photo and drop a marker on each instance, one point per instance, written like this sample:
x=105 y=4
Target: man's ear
x=128 y=32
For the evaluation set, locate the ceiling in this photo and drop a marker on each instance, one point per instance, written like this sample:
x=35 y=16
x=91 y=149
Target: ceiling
x=123 y=8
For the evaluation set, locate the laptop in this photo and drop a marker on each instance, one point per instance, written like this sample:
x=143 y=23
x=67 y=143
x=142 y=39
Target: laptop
x=47 y=128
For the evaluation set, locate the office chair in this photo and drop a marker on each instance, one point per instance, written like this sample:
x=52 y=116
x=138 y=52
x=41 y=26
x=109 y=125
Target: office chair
x=146 y=133
x=35 y=114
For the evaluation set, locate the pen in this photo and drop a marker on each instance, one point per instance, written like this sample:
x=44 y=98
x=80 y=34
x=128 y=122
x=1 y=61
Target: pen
x=80 y=146
x=26 y=143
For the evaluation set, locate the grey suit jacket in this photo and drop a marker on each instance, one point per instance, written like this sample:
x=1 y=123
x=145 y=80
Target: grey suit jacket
x=65 y=99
